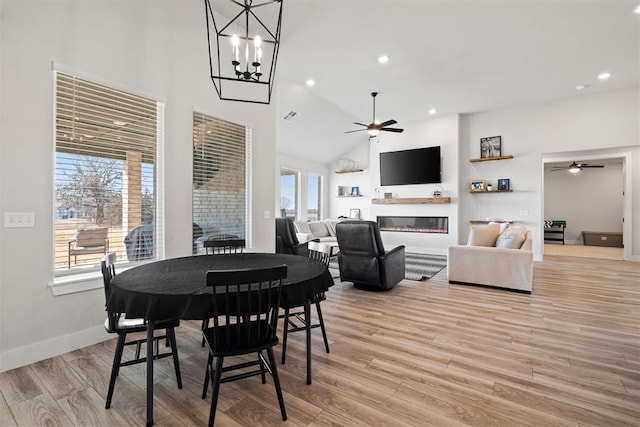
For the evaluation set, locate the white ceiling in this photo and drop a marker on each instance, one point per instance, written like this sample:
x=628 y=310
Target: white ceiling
x=455 y=56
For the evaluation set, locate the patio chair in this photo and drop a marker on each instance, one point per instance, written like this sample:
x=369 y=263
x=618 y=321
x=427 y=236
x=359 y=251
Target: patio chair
x=88 y=241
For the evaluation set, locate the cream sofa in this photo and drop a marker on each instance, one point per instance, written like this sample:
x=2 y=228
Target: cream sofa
x=494 y=256
x=324 y=231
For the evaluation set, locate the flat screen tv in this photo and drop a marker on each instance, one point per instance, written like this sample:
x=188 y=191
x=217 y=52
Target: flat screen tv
x=417 y=166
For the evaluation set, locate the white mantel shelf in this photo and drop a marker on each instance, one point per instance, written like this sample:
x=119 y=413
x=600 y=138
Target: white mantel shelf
x=411 y=201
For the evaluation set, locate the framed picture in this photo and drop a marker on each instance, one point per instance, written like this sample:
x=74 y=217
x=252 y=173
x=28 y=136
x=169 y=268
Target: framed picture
x=477 y=186
x=503 y=184
x=355 y=191
x=354 y=214
x=490 y=147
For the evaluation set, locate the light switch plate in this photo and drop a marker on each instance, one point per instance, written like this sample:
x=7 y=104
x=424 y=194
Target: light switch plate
x=19 y=219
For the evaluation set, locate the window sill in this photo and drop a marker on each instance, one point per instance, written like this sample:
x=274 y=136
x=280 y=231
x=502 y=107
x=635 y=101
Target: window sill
x=79 y=282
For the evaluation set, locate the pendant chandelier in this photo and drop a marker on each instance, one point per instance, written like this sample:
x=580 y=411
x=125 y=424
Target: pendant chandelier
x=243 y=51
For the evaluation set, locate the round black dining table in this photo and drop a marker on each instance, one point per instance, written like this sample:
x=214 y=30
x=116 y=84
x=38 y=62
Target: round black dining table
x=176 y=288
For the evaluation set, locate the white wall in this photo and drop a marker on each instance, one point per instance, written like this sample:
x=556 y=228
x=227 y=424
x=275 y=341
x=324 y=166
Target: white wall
x=605 y=122
x=155 y=50
x=590 y=200
x=442 y=131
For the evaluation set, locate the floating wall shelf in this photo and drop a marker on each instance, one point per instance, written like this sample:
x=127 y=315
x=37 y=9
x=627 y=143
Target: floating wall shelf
x=487 y=159
x=349 y=170
x=411 y=201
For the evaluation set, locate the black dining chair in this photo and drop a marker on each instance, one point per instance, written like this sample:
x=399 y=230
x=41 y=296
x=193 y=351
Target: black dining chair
x=118 y=323
x=320 y=252
x=224 y=246
x=245 y=320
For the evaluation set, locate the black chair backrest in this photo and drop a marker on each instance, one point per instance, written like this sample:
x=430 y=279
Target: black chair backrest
x=320 y=252
x=359 y=238
x=227 y=246
x=108 y=265
x=285 y=235
x=245 y=306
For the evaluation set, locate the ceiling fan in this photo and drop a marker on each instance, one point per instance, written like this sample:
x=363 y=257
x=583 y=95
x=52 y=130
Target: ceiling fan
x=575 y=167
x=374 y=128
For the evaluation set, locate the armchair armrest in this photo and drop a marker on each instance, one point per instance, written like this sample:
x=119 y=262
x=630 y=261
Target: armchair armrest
x=303 y=248
x=393 y=265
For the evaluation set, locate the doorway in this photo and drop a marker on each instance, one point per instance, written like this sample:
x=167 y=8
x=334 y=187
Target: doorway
x=591 y=199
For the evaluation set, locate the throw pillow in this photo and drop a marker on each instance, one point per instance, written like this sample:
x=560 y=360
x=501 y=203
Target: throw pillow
x=331 y=227
x=503 y=225
x=302 y=227
x=318 y=229
x=483 y=235
x=511 y=238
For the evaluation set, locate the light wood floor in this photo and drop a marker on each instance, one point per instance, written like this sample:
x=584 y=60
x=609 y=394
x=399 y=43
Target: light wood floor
x=425 y=353
x=584 y=251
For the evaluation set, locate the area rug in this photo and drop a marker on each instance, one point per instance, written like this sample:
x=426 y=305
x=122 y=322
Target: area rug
x=417 y=266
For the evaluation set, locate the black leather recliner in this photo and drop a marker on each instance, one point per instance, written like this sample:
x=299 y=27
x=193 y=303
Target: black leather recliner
x=363 y=260
x=286 y=240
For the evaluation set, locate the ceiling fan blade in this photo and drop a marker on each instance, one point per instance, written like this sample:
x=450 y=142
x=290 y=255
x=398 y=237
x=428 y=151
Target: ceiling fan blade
x=558 y=169
x=591 y=166
x=357 y=130
x=396 y=130
x=361 y=124
x=388 y=123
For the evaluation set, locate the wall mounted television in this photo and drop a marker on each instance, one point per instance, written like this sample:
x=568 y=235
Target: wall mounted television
x=416 y=166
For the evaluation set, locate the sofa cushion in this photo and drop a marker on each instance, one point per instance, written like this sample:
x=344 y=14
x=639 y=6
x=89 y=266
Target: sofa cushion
x=318 y=229
x=302 y=227
x=511 y=238
x=483 y=235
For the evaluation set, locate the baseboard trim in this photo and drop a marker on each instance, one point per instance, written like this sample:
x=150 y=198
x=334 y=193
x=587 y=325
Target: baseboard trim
x=520 y=291
x=41 y=350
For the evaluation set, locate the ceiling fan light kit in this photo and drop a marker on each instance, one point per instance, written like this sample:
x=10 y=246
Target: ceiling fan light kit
x=575 y=167
x=243 y=51
x=374 y=128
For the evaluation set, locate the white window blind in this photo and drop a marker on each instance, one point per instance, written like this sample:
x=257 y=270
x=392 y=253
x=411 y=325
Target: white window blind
x=106 y=155
x=221 y=177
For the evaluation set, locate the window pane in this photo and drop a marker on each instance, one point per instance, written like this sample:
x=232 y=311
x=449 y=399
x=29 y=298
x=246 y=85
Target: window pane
x=288 y=193
x=220 y=180
x=314 y=192
x=106 y=144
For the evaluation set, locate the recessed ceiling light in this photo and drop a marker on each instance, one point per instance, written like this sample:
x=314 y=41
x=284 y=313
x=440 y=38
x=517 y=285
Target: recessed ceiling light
x=311 y=82
x=637 y=10
x=383 y=59
x=119 y=123
x=432 y=111
x=604 y=76
x=580 y=87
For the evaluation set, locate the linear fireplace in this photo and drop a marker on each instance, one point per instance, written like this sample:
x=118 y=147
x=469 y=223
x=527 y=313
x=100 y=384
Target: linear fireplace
x=414 y=224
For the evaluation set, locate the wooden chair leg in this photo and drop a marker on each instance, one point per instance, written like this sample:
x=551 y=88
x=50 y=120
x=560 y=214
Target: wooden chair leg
x=324 y=333
x=171 y=332
x=284 y=334
x=276 y=382
x=207 y=375
x=117 y=358
x=215 y=390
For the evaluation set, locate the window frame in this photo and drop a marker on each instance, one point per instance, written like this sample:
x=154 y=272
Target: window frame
x=63 y=281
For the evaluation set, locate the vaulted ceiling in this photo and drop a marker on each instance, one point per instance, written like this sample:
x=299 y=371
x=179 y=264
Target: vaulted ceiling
x=454 y=56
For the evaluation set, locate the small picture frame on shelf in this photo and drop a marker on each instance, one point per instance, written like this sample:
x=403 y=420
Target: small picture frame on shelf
x=354 y=213
x=504 y=184
x=477 y=185
x=490 y=147
x=355 y=191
